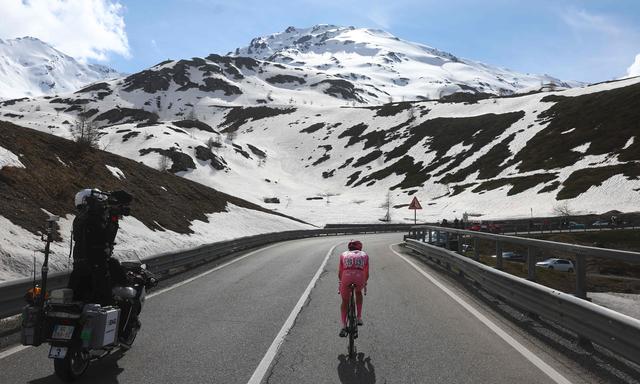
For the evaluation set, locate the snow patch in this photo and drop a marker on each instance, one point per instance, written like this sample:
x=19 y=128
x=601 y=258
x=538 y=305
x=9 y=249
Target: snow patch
x=629 y=142
x=9 y=159
x=567 y=131
x=116 y=172
x=581 y=148
x=18 y=246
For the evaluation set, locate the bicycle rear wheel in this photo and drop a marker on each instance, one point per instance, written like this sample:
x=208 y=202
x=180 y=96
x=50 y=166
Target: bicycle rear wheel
x=352 y=325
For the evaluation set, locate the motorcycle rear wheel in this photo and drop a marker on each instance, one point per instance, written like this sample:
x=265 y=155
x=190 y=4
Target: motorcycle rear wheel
x=74 y=365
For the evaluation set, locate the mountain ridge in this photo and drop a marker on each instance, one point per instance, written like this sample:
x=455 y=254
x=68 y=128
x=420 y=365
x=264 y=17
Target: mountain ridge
x=32 y=67
x=406 y=70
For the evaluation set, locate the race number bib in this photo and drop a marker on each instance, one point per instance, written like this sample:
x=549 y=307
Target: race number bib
x=351 y=262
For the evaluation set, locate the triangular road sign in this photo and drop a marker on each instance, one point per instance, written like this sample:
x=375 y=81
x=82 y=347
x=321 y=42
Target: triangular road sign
x=415 y=204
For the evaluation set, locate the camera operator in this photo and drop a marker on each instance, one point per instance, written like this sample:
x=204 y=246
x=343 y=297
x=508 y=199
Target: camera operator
x=94 y=231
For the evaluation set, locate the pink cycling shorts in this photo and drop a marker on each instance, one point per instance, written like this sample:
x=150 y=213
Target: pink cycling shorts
x=351 y=276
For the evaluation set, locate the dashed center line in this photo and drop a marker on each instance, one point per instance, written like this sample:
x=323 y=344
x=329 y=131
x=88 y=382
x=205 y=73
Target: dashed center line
x=268 y=358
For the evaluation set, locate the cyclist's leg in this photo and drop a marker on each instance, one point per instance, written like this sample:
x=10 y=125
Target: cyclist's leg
x=345 y=293
x=359 y=300
x=359 y=279
x=343 y=311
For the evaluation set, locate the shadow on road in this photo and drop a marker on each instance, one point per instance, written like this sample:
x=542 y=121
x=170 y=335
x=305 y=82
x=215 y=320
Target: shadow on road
x=358 y=370
x=104 y=371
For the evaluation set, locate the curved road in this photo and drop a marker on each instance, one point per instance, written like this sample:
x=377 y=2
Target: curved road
x=220 y=327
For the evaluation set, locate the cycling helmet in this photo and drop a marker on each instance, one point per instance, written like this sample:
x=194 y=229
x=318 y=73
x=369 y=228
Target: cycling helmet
x=355 y=245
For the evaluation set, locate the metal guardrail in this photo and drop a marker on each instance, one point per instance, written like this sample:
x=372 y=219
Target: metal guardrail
x=581 y=252
x=612 y=330
x=400 y=227
x=12 y=292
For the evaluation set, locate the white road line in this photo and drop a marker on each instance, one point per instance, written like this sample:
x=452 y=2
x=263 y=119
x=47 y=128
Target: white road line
x=219 y=267
x=19 y=348
x=535 y=360
x=264 y=365
x=13 y=350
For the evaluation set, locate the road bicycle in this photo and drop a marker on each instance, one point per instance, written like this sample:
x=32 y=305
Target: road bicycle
x=352 y=322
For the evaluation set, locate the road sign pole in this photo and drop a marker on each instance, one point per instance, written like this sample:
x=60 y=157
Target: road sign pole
x=415 y=205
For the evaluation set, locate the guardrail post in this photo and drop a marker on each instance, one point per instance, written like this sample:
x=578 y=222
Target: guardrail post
x=476 y=251
x=498 y=254
x=423 y=234
x=581 y=276
x=460 y=243
x=428 y=230
x=531 y=263
x=447 y=242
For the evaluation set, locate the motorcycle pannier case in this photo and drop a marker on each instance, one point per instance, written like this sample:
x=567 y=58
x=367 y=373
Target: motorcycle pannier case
x=31 y=333
x=101 y=327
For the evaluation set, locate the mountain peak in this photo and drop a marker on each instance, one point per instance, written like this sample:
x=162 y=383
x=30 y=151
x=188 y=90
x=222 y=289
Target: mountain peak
x=384 y=64
x=32 y=67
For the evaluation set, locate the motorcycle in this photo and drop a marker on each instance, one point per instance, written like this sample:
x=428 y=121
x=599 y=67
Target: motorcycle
x=80 y=332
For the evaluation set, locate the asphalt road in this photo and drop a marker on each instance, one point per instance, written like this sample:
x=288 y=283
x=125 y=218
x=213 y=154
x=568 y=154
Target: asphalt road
x=218 y=328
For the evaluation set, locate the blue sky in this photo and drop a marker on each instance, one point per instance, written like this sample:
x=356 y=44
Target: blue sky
x=570 y=39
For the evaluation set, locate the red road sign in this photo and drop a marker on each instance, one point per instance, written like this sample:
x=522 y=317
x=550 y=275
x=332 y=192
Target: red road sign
x=415 y=204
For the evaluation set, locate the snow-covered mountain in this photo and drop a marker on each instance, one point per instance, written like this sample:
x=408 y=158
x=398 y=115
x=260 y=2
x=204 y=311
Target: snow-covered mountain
x=323 y=65
x=385 y=67
x=313 y=145
x=497 y=157
x=31 y=67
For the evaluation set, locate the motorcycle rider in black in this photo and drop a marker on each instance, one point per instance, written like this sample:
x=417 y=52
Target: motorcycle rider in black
x=95 y=272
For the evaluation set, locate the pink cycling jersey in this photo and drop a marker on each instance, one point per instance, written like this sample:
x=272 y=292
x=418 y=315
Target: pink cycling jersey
x=354 y=268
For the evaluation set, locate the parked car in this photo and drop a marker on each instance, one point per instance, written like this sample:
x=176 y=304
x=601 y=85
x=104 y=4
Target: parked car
x=493 y=228
x=475 y=227
x=574 y=225
x=562 y=265
x=511 y=256
x=600 y=223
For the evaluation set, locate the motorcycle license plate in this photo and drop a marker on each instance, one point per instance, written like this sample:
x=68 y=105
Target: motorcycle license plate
x=57 y=352
x=63 y=332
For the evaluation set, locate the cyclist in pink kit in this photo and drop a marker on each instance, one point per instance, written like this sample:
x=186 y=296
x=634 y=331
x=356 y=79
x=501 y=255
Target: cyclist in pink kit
x=353 y=269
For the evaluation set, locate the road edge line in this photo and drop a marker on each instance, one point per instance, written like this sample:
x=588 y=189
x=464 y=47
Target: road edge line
x=524 y=351
x=271 y=353
x=10 y=351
